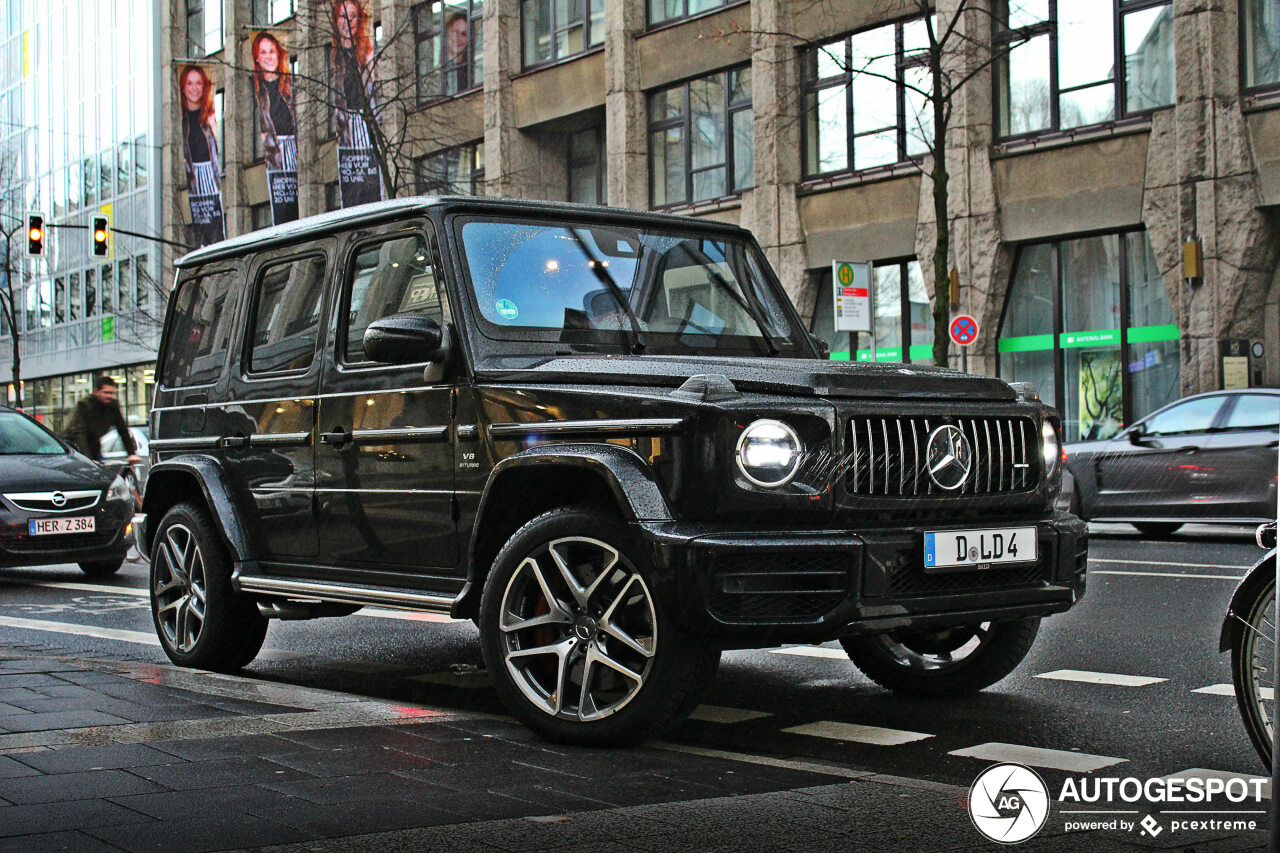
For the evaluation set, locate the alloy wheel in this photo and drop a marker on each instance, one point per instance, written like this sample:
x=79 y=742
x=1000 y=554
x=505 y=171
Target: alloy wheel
x=579 y=629
x=178 y=588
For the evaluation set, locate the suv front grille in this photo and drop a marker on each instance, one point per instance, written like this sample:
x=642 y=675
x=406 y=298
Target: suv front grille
x=778 y=587
x=887 y=455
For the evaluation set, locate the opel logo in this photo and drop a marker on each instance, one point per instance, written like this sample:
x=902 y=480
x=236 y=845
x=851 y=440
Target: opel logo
x=949 y=457
x=58 y=499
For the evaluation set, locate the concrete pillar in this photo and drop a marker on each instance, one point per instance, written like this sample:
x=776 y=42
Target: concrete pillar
x=511 y=160
x=770 y=209
x=625 y=118
x=1202 y=181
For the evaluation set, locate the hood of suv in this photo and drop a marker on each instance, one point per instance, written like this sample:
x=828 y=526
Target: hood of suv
x=806 y=377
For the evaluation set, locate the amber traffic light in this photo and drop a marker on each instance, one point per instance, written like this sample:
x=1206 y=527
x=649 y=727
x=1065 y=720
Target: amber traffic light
x=101 y=234
x=35 y=234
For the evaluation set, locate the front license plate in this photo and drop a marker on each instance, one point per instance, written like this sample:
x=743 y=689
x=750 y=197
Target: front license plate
x=46 y=526
x=959 y=550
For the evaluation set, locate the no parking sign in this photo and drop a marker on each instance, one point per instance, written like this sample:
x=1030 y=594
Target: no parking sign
x=964 y=330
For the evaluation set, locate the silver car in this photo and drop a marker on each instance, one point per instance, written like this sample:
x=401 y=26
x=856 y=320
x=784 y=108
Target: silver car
x=1208 y=457
x=114 y=454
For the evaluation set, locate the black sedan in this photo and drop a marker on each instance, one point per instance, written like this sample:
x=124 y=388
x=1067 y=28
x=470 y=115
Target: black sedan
x=57 y=506
x=1208 y=457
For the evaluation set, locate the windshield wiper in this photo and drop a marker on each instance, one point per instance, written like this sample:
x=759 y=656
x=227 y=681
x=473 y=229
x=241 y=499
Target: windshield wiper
x=745 y=300
x=636 y=343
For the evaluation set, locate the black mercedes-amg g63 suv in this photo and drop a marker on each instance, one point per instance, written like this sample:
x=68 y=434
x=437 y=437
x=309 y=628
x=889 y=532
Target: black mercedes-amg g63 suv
x=606 y=437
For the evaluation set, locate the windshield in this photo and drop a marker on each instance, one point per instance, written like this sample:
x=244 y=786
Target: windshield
x=20 y=435
x=610 y=286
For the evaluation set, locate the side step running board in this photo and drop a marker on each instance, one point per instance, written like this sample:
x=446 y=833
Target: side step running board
x=363 y=595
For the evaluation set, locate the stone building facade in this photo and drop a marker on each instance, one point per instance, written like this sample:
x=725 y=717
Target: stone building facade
x=1089 y=142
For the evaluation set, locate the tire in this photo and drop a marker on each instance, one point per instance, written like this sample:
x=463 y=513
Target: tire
x=543 y=638
x=101 y=568
x=926 y=664
x=1156 y=529
x=1251 y=661
x=201 y=621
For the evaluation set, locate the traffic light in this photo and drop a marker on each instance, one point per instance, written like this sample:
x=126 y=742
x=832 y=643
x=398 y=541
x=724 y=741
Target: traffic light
x=35 y=235
x=100 y=232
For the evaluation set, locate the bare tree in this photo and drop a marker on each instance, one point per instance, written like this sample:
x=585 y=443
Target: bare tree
x=12 y=233
x=948 y=61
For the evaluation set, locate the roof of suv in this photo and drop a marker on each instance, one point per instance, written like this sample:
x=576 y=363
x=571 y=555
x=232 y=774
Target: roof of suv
x=370 y=214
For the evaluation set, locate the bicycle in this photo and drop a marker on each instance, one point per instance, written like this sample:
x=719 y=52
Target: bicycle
x=1249 y=633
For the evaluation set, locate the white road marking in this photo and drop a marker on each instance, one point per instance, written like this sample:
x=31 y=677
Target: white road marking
x=764 y=760
x=90 y=587
x=1114 y=678
x=1202 y=773
x=144 y=638
x=1166 y=575
x=720 y=714
x=873 y=735
x=1230 y=690
x=1157 y=563
x=811 y=652
x=1057 y=759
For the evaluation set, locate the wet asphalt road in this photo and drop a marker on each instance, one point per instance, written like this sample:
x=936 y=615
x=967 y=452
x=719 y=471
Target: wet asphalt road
x=1153 y=611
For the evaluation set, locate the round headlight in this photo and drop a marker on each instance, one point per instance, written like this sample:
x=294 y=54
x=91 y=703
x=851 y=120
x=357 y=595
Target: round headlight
x=768 y=453
x=1052 y=450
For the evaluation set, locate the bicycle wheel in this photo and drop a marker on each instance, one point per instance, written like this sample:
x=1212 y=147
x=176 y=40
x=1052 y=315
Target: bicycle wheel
x=1253 y=669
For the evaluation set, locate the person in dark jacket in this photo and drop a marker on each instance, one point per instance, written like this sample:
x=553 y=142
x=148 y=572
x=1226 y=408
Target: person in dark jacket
x=97 y=414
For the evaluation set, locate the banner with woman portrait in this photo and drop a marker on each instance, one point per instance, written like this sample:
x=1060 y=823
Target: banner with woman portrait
x=200 y=150
x=272 y=84
x=354 y=84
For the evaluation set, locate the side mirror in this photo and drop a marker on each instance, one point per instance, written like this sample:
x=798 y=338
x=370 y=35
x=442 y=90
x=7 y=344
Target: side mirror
x=1137 y=435
x=406 y=339
x=824 y=348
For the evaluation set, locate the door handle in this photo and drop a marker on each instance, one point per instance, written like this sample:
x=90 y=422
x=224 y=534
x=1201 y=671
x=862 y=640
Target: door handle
x=1188 y=450
x=230 y=442
x=335 y=438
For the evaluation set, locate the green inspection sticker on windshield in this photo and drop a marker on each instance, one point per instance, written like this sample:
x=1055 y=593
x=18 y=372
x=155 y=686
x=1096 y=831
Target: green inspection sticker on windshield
x=507 y=309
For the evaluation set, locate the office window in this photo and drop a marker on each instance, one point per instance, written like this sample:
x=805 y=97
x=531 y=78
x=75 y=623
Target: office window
x=124 y=285
x=144 y=284
x=700 y=139
x=664 y=11
x=268 y=12
x=1089 y=322
x=586 y=166
x=453 y=171
x=555 y=29
x=865 y=99
x=218 y=97
x=448 y=47
x=260 y=216
x=1260 y=52
x=332 y=196
x=204 y=27
x=1082 y=63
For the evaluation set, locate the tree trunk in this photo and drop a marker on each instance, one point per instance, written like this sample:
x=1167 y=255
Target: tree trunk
x=942 y=225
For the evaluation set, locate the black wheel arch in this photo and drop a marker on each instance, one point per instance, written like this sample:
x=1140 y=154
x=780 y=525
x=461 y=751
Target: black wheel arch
x=199 y=479
x=526 y=484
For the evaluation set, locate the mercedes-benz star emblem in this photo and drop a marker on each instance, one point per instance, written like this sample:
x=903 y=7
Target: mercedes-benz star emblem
x=58 y=499
x=948 y=457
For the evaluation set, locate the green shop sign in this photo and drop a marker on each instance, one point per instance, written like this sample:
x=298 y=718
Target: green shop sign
x=1090 y=338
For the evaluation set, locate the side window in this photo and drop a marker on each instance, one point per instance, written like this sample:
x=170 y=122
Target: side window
x=393 y=276
x=200 y=331
x=1191 y=416
x=1255 y=411
x=287 y=315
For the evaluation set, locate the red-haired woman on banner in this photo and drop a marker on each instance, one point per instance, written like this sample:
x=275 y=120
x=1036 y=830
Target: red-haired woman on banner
x=273 y=91
x=353 y=74
x=199 y=135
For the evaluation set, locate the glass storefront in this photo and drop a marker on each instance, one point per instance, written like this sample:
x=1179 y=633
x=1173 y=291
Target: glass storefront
x=1089 y=323
x=902 y=312
x=51 y=400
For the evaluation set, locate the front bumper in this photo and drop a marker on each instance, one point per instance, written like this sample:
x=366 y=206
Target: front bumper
x=110 y=540
x=759 y=588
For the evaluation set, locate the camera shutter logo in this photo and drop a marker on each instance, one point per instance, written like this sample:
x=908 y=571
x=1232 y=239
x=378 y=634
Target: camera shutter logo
x=1008 y=803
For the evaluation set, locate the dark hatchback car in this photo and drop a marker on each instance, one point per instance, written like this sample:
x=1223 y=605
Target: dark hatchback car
x=1208 y=457
x=57 y=506
x=603 y=435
